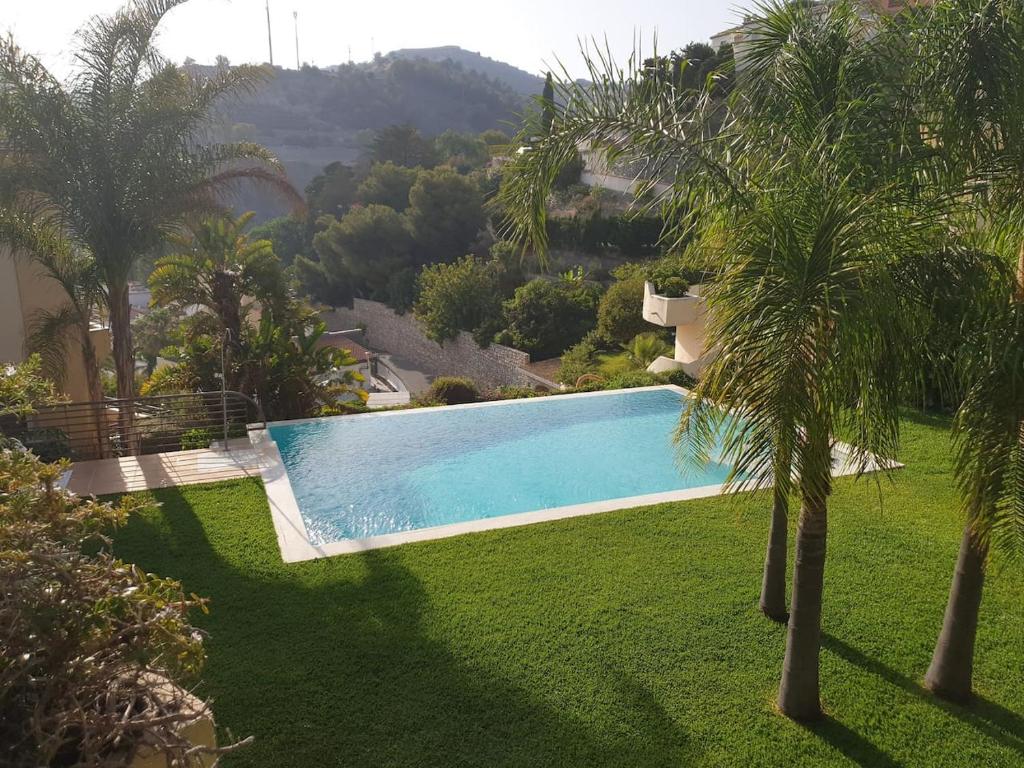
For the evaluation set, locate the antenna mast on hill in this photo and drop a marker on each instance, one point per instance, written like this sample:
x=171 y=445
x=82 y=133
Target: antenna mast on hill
x=270 y=39
x=295 y=15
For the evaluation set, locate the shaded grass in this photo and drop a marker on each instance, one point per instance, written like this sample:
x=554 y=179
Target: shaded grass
x=623 y=639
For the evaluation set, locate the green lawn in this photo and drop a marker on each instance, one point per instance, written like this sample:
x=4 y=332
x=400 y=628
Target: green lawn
x=623 y=639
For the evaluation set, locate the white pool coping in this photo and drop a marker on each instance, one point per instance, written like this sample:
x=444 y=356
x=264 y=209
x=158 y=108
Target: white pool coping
x=293 y=538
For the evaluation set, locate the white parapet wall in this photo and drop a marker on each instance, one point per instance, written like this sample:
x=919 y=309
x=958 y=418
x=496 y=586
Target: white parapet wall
x=687 y=314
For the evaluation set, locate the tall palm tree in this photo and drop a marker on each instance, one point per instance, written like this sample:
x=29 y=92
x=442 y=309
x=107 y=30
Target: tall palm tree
x=219 y=269
x=115 y=152
x=971 y=55
x=802 y=312
x=796 y=194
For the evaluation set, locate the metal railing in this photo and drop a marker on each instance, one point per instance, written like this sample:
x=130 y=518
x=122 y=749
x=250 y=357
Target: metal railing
x=134 y=426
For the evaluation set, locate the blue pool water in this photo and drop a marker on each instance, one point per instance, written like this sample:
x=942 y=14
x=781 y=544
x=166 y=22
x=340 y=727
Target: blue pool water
x=361 y=476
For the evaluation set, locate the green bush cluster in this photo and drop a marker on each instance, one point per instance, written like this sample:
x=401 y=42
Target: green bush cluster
x=672 y=287
x=619 y=315
x=545 y=317
x=452 y=390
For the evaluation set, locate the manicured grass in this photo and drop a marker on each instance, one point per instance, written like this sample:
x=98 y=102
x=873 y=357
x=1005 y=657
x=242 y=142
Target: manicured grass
x=623 y=639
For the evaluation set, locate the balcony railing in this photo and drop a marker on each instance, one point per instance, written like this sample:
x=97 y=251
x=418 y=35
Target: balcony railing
x=134 y=426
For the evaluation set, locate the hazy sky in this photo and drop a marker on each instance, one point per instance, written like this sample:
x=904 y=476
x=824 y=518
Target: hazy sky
x=527 y=33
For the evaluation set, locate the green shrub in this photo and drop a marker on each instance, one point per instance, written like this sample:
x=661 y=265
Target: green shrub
x=672 y=287
x=50 y=444
x=546 y=317
x=578 y=360
x=452 y=390
x=197 y=438
x=620 y=312
x=402 y=288
x=645 y=348
x=515 y=393
x=86 y=636
x=465 y=295
x=630 y=380
x=679 y=378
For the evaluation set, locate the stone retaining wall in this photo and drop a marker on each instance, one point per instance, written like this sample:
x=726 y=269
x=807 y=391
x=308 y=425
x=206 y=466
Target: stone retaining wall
x=401 y=335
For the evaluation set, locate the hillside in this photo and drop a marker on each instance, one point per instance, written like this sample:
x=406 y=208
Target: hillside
x=312 y=117
x=520 y=81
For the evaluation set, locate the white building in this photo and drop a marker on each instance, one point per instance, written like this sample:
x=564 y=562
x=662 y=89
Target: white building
x=688 y=315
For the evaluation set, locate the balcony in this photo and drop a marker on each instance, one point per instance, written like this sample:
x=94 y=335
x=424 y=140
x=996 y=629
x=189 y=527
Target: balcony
x=671 y=312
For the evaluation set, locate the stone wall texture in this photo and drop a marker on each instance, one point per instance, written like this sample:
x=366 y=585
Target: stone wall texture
x=401 y=335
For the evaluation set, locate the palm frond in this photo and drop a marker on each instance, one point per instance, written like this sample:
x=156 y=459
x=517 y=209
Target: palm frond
x=989 y=429
x=664 y=130
x=49 y=334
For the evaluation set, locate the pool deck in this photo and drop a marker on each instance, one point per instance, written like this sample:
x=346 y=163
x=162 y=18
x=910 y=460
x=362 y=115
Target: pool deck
x=162 y=470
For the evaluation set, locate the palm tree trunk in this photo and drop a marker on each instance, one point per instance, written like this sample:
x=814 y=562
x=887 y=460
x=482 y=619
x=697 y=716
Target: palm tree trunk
x=95 y=386
x=124 y=360
x=121 y=331
x=799 y=696
x=773 y=584
x=952 y=667
x=225 y=298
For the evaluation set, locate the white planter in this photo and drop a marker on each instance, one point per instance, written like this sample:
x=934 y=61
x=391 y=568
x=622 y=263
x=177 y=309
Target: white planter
x=670 y=313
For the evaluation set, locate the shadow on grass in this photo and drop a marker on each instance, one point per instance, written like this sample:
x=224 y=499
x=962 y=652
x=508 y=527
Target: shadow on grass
x=927 y=418
x=331 y=663
x=988 y=718
x=855 y=747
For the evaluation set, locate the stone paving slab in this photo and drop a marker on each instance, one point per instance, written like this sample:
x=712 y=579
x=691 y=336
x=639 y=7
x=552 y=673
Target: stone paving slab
x=161 y=470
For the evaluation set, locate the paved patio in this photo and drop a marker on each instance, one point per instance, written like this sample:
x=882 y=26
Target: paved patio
x=160 y=470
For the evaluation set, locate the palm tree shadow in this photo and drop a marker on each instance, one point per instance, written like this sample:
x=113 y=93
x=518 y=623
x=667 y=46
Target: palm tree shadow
x=989 y=718
x=854 y=746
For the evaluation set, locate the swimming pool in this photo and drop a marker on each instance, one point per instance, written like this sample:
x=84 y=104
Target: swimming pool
x=350 y=483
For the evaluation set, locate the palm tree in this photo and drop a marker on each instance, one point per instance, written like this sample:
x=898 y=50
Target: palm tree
x=114 y=153
x=644 y=349
x=795 y=193
x=219 y=269
x=972 y=81
x=293 y=375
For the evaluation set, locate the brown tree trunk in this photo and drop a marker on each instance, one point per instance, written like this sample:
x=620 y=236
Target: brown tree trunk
x=773 y=583
x=124 y=360
x=799 y=696
x=229 y=312
x=92 y=379
x=952 y=667
x=121 y=332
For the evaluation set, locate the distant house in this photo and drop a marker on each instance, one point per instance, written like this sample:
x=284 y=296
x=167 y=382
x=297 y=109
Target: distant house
x=25 y=290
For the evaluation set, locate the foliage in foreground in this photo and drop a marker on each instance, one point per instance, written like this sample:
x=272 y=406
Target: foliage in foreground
x=89 y=641
x=23 y=388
